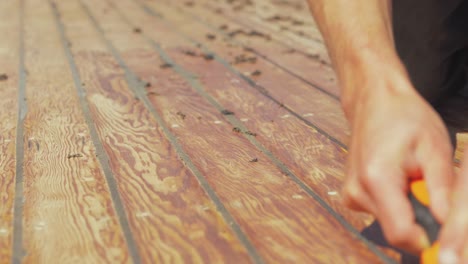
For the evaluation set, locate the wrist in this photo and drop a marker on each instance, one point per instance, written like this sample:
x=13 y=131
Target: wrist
x=368 y=76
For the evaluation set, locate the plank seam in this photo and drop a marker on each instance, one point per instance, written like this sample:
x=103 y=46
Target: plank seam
x=18 y=250
x=137 y=88
x=188 y=76
x=100 y=152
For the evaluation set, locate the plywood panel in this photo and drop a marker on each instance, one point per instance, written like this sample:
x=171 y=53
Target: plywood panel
x=266 y=203
x=171 y=217
x=68 y=212
x=9 y=64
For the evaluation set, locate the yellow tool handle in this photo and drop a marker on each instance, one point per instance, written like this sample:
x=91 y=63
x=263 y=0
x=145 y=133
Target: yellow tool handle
x=419 y=198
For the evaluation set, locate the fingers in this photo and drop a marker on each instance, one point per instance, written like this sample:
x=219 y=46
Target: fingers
x=355 y=198
x=394 y=211
x=437 y=168
x=454 y=234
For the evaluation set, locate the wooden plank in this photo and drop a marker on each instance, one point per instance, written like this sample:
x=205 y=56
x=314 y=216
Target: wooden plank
x=178 y=19
x=266 y=203
x=316 y=160
x=68 y=212
x=317 y=107
x=284 y=23
x=9 y=61
x=291 y=22
x=294 y=15
x=304 y=58
x=267 y=16
x=319 y=161
x=171 y=217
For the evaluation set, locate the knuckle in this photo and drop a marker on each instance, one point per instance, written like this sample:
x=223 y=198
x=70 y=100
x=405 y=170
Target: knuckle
x=351 y=194
x=397 y=234
x=372 y=173
x=352 y=197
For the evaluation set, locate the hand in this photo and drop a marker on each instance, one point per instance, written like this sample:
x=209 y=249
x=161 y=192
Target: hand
x=396 y=135
x=454 y=235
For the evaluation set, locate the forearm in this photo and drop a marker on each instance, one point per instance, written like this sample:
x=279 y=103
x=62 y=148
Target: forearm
x=359 y=38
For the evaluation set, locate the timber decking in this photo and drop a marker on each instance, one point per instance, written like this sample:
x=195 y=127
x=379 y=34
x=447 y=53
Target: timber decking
x=138 y=131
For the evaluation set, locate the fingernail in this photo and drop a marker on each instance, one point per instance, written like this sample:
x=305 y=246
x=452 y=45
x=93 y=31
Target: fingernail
x=448 y=256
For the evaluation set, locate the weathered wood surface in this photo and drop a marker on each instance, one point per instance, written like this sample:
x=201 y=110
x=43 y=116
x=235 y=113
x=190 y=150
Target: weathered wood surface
x=320 y=163
x=312 y=104
x=68 y=211
x=272 y=222
x=290 y=24
x=303 y=55
x=9 y=63
x=172 y=219
x=187 y=185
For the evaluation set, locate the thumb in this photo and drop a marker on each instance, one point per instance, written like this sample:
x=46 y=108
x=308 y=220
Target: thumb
x=438 y=173
x=395 y=213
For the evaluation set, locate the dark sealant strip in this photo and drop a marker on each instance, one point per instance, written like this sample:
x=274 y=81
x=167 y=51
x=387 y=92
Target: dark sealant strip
x=102 y=156
x=139 y=90
x=18 y=250
x=197 y=86
x=251 y=82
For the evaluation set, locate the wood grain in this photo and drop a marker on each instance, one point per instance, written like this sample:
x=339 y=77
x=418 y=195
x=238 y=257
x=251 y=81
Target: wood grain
x=9 y=61
x=314 y=105
x=172 y=219
x=68 y=212
x=289 y=16
x=271 y=208
x=289 y=24
x=306 y=58
x=317 y=160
